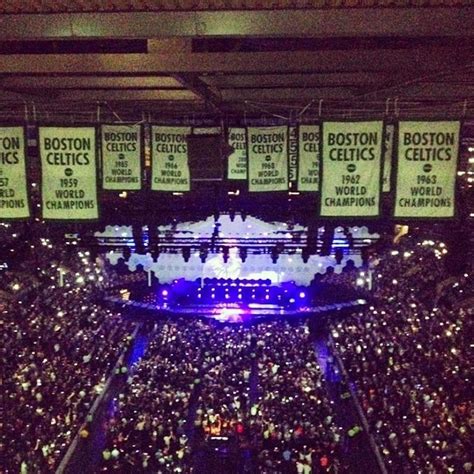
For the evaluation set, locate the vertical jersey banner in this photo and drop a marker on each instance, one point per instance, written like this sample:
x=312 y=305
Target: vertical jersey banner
x=69 y=173
x=237 y=162
x=351 y=168
x=169 y=159
x=426 y=171
x=293 y=153
x=121 y=157
x=387 y=157
x=13 y=186
x=267 y=158
x=308 y=158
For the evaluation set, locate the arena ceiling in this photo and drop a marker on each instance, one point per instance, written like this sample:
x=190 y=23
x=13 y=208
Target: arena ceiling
x=299 y=58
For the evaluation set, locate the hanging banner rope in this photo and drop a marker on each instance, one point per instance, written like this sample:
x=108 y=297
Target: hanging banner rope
x=308 y=157
x=267 y=158
x=387 y=157
x=13 y=183
x=121 y=157
x=69 y=173
x=426 y=169
x=237 y=162
x=169 y=159
x=351 y=169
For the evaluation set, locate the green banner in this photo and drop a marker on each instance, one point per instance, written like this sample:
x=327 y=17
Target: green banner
x=267 y=158
x=69 y=173
x=293 y=153
x=169 y=159
x=426 y=169
x=121 y=157
x=387 y=157
x=13 y=185
x=308 y=157
x=351 y=169
x=237 y=163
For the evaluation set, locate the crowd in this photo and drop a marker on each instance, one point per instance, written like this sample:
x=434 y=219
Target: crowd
x=293 y=420
x=56 y=349
x=148 y=431
x=408 y=354
x=260 y=384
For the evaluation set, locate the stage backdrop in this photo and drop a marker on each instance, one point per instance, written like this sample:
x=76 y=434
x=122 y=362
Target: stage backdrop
x=288 y=268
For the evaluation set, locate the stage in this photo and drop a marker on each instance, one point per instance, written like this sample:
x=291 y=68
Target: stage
x=233 y=312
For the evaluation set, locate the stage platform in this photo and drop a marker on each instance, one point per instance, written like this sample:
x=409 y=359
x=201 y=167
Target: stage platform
x=233 y=312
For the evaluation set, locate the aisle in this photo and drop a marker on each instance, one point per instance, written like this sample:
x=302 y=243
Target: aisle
x=357 y=454
x=88 y=454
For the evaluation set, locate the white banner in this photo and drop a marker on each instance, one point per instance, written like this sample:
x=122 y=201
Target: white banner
x=121 y=157
x=267 y=158
x=426 y=169
x=351 y=169
x=69 y=173
x=308 y=157
x=387 y=157
x=13 y=184
x=237 y=163
x=169 y=159
x=293 y=153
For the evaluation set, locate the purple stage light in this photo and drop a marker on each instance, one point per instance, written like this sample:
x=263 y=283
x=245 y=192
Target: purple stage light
x=164 y=293
x=302 y=294
x=292 y=300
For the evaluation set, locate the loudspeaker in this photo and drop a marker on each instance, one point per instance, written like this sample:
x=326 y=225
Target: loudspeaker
x=206 y=157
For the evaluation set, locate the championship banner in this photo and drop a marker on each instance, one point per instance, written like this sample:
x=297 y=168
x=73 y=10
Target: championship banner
x=169 y=159
x=426 y=169
x=69 y=173
x=308 y=158
x=121 y=157
x=293 y=153
x=13 y=185
x=267 y=158
x=351 y=169
x=237 y=162
x=387 y=157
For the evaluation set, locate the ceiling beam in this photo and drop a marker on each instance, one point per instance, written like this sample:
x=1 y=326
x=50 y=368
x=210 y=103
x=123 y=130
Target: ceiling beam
x=419 y=60
x=296 y=80
x=416 y=22
x=157 y=82
x=287 y=94
x=403 y=81
x=193 y=83
x=99 y=95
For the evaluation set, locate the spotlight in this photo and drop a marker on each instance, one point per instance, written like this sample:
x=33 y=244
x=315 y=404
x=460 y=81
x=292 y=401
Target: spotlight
x=137 y=233
x=127 y=253
x=186 y=253
x=203 y=253
x=164 y=293
x=225 y=254
x=302 y=294
x=243 y=253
